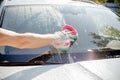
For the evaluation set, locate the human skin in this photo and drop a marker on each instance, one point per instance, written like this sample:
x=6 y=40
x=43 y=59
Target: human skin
x=25 y=40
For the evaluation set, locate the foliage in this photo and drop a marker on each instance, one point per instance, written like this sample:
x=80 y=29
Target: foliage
x=99 y=1
x=103 y=1
x=113 y=1
x=118 y=11
x=111 y=32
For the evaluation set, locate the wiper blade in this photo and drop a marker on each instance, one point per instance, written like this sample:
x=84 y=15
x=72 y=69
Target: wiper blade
x=44 y=57
x=41 y=58
x=25 y=63
x=17 y=64
x=110 y=53
x=48 y=63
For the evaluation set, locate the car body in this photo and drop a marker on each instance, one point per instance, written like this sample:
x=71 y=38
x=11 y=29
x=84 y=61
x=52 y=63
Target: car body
x=94 y=56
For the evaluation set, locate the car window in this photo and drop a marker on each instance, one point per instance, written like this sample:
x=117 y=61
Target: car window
x=48 y=19
x=97 y=27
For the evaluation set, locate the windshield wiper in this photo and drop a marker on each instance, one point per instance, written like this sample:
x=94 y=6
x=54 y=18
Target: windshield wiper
x=44 y=57
x=110 y=53
x=41 y=59
x=26 y=63
x=16 y=64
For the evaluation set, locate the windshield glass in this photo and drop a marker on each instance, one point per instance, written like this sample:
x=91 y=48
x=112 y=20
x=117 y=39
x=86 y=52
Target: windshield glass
x=96 y=27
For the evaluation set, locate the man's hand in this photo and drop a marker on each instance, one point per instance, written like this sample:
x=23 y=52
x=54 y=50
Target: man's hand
x=66 y=38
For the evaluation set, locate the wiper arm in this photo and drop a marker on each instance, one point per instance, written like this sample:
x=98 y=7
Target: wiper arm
x=41 y=58
x=17 y=64
x=110 y=53
x=44 y=57
x=112 y=49
x=25 y=63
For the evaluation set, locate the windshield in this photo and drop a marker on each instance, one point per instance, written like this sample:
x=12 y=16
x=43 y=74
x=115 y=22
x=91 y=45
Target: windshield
x=96 y=27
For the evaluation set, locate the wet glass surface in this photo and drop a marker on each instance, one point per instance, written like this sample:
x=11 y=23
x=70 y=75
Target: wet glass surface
x=96 y=28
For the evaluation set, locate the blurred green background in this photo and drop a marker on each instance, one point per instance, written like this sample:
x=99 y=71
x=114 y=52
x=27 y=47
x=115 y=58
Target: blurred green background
x=108 y=1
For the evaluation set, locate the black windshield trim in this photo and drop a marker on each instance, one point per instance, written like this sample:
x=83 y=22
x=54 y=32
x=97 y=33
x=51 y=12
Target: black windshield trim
x=2 y=16
x=17 y=64
x=26 y=64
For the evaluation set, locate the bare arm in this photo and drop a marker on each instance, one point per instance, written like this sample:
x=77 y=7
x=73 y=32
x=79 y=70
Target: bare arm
x=25 y=40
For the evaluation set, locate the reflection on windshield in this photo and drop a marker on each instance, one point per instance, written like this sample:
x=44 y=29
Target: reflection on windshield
x=109 y=33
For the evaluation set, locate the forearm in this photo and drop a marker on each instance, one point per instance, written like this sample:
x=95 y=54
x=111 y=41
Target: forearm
x=6 y=37
x=25 y=40
x=33 y=40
